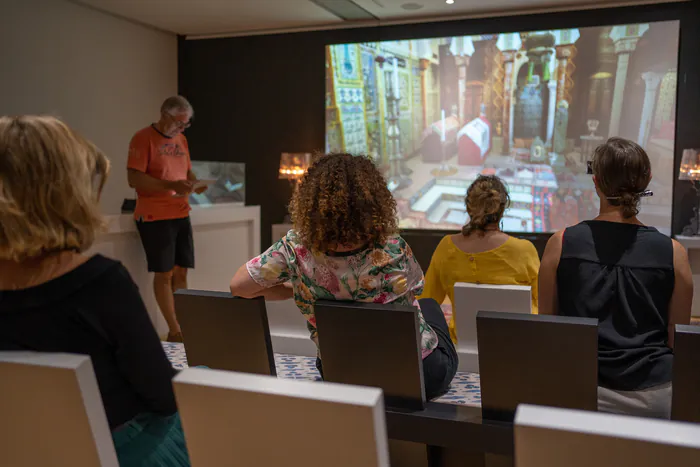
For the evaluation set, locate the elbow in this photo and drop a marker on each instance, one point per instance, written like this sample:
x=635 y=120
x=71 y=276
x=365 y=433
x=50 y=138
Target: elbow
x=238 y=291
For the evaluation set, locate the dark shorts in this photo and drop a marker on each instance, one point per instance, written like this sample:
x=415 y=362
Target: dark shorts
x=167 y=244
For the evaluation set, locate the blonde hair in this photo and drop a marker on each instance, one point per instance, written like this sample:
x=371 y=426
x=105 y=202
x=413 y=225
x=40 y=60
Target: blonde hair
x=487 y=199
x=51 y=179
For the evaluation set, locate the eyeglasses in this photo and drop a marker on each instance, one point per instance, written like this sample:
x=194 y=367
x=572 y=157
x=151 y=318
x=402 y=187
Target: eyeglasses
x=181 y=124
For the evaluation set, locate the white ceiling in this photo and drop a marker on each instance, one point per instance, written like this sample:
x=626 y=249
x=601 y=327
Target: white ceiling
x=236 y=17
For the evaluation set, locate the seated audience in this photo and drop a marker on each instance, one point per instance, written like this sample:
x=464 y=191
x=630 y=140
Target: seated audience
x=53 y=298
x=345 y=246
x=633 y=279
x=482 y=253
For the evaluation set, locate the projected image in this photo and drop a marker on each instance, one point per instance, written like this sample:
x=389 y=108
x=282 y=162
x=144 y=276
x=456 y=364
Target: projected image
x=529 y=107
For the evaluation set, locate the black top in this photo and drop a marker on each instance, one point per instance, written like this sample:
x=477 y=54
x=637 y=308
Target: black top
x=623 y=275
x=95 y=310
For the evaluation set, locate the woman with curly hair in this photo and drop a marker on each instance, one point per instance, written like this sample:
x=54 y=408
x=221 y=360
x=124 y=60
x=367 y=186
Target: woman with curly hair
x=482 y=253
x=345 y=246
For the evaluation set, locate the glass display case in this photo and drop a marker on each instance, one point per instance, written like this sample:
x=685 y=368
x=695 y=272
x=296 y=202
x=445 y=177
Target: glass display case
x=225 y=183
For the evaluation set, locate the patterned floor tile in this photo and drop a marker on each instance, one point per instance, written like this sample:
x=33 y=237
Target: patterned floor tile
x=465 y=388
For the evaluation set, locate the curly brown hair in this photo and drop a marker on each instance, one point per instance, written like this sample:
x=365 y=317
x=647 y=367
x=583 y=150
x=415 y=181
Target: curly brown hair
x=343 y=200
x=486 y=201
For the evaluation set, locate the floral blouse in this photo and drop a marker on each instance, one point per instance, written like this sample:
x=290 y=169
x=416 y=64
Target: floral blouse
x=384 y=273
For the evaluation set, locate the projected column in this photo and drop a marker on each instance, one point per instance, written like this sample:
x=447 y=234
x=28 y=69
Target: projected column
x=509 y=45
x=651 y=81
x=625 y=39
x=564 y=41
x=552 y=96
x=392 y=84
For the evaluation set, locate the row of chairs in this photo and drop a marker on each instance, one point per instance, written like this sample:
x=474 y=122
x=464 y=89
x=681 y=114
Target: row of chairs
x=290 y=335
x=526 y=358
x=233 y=419
x=546 y=360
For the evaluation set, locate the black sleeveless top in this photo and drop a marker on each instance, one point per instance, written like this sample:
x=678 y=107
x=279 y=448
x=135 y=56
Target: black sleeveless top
x=623 y=275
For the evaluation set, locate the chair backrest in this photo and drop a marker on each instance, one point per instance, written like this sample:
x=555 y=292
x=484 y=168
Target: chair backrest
x=224 y=332
x=536 y=359
x=472 y=298
x=685 y=404
x=244 y=419
x=51 y=412
x=372 y=345
x=549 y=437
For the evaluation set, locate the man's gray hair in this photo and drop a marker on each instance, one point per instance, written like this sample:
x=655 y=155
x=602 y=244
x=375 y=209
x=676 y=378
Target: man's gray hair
x=175 y=105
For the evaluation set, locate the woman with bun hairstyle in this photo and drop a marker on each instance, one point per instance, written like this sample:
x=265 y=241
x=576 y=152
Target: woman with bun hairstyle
x=482 y=253
x=635 y=280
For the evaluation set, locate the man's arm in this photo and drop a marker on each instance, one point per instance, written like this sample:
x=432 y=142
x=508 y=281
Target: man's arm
x=193 y=179
x=144 y=182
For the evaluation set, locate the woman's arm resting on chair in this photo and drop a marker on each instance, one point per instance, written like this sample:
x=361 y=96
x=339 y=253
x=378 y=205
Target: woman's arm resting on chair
x=242 y=285
x=547 y=281
x=679 y=307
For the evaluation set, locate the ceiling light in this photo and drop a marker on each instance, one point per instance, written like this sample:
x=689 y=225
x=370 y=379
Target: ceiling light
x=449 y=2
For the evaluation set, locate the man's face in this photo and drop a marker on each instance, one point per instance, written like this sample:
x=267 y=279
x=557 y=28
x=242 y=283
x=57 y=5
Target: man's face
x=176 y=123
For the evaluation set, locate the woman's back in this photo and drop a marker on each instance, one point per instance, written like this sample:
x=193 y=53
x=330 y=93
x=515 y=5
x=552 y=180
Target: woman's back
x=513 y=262
x=380 y=273
x=95 y=309
x=623 y=275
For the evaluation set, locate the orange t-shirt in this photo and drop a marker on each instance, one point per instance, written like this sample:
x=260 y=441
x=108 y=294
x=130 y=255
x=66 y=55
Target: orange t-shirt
x=164 y=158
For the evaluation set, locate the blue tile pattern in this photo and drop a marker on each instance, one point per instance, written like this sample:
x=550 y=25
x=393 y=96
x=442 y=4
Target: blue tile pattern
x=465 y=389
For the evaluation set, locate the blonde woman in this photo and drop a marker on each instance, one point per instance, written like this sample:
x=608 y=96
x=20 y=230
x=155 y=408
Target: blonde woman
x=53 y=298
x=482 y=253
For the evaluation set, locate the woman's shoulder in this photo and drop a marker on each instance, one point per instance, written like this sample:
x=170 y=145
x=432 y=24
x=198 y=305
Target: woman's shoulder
x=521 y=245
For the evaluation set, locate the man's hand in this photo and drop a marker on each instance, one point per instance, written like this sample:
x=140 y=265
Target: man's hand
x=201 y=189
x=181 y=187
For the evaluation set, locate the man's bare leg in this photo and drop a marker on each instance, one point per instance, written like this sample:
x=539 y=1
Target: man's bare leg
x=179 y=278
x=163 y=289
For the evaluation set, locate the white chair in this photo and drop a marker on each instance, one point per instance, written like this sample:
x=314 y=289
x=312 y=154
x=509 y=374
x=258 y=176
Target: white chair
x=472 y=298
x=548 y=437
x=51 y=412
x=252 y=420
x=288 y=329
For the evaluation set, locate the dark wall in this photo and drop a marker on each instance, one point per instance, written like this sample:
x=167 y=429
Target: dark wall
x=258 y=96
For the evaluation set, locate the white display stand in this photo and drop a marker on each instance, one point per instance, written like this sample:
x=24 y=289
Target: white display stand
x=288 y=329
x=692 y=244
x=225 y=237
x=279 y=231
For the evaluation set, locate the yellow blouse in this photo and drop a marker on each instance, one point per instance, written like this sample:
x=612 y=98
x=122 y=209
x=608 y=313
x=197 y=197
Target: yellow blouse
x=515 y=262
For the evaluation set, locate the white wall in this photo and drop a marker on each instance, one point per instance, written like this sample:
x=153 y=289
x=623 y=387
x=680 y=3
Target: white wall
x=105 y=76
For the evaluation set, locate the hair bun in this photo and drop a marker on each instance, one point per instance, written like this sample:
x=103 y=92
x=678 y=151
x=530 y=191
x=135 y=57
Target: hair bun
x=630 y=204
x=486 y=201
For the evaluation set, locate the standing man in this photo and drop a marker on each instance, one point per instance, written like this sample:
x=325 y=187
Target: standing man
x=160 y=170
